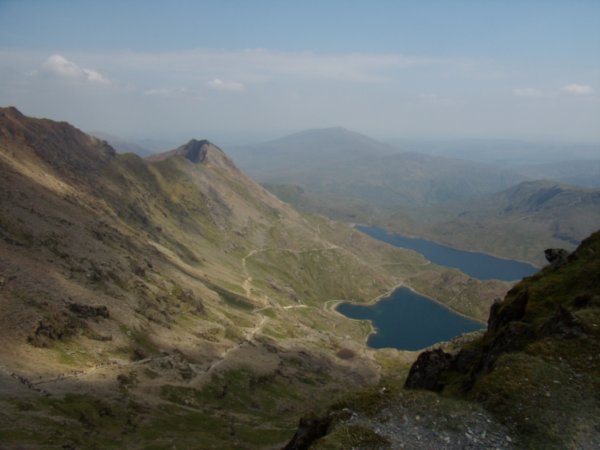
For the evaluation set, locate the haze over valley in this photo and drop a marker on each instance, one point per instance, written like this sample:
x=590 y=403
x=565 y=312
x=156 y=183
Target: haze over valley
x=480 y=206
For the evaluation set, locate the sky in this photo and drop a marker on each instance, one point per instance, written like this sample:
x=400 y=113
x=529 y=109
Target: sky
x=244 y=71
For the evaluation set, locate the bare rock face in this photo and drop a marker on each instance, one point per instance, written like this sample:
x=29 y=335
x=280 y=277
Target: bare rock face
x=556 y=256
x=309 y=430
x=503 y=313
x=87 y=312
x=425 y=372
x=195 y=151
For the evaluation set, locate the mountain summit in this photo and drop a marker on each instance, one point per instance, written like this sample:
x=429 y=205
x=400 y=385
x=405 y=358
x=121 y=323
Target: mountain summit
x=58 y=144
x=194 y=151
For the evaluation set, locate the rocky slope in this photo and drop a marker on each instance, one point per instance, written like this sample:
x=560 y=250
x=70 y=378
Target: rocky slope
x=531 y=381
x=173 y=301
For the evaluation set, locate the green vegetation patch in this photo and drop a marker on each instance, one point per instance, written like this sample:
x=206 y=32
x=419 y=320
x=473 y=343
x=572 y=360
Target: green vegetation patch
x=174 y=426
x=238 y=390
x=73 y=421
x=540 y=401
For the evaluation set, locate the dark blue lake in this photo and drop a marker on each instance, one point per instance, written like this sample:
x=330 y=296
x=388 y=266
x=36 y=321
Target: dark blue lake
x=476 y=265
x=408 y=321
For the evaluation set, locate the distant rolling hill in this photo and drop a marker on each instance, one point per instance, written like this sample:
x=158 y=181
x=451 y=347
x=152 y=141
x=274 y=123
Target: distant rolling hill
x=509 y=153
x=338 y=164
x=580 y=172
x=518 y=222
x=333 y=142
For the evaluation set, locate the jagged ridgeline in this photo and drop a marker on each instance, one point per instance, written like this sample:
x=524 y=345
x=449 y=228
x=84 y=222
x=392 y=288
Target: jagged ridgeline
x=172 y=300
x=531 y=381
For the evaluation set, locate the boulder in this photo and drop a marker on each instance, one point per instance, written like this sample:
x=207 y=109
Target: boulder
x=309 y=430
x=501 y=313
x=556 y=256
x=425 y=372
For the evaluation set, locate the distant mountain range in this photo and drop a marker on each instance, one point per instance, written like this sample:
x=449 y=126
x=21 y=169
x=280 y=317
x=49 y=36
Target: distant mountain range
x=449 y=200
x=122 y=145
x=337 y=162
x=503 y=152
x=580 y=172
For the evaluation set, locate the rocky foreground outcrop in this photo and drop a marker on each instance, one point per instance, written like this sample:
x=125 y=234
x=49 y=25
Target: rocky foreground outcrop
x=536 y=367
x=531 y=381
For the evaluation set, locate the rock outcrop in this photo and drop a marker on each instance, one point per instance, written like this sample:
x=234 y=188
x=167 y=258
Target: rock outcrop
x=87 y=312
x=556 y=256
x=515 y=323
x=425 y=372
x=309 y=430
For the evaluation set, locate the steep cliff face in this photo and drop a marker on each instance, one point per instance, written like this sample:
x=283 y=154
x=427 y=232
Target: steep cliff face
x=537 y=366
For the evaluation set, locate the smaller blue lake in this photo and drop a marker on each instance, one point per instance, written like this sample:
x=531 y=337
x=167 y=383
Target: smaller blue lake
x=476 y=265
x=408 y=321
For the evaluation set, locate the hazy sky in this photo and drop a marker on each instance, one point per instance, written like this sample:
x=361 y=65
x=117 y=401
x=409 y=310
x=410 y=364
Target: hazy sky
x=228 y=70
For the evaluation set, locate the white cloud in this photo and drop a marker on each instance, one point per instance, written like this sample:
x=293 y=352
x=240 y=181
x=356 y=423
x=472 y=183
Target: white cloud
x=527 y=92
x=578 y=89
x=157 y=92
x=59 y=66
x=220 y=85
x=167 y=92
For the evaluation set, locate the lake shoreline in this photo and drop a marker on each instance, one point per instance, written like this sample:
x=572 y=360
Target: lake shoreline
x=332 y=305
x=476 y=265
x=354 y=225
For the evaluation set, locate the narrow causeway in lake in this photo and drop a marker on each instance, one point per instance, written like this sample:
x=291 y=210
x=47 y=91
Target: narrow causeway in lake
x=408 y=321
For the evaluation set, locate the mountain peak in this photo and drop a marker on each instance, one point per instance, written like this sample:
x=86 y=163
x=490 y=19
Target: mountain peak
x=11 y=111
x=195 y=150
x=59 y=144
x=198 y=152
